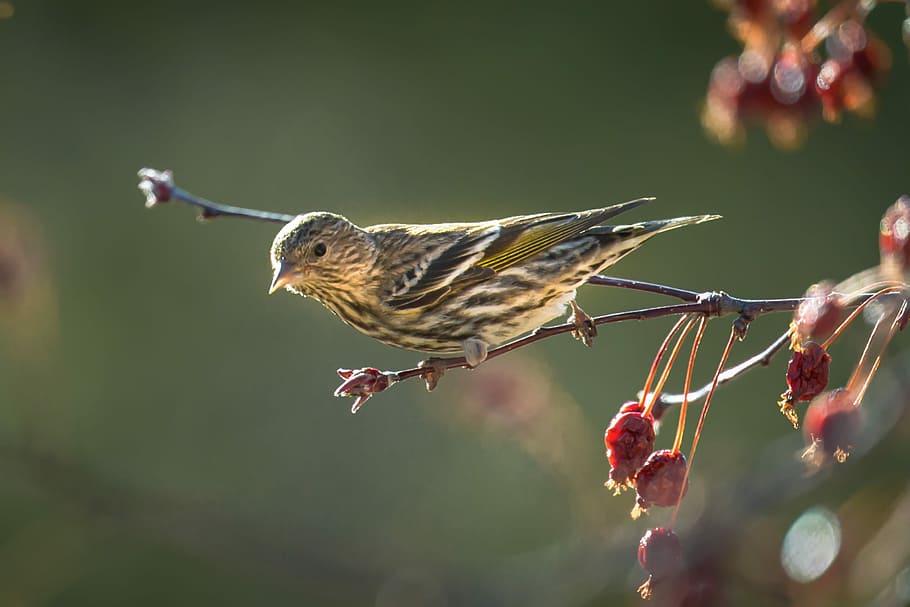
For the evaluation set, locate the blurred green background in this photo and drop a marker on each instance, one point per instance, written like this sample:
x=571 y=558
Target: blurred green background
x=168 y=432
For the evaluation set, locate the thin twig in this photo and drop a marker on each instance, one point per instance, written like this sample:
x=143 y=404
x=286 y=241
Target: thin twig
x=159 y=188
x=672 y=359
x=652 y=373
x=681 y=424
x=762 y=359
x=640 y=285
x=734 y=336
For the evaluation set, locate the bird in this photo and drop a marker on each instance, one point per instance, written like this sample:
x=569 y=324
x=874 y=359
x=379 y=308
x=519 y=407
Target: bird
x=456 y=287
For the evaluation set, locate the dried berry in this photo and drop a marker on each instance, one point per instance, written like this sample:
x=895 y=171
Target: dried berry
x=660 y=554
x=832 y=424
x=807 y=372
x=818 y=315
x=894 y=235
x=629 y=440
x=807 y=377
x=660 y=480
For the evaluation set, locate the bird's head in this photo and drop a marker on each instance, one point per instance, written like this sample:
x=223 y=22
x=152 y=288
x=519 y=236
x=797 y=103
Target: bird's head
x=318 y=252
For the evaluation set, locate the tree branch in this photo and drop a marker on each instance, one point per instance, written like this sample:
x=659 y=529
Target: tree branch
x=640 y=285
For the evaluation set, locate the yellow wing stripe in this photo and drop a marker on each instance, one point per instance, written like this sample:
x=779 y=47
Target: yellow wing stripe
x=529 y=245
x=532 y=244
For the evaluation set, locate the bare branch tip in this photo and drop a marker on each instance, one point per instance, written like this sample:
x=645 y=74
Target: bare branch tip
x=158 y=186
x=363 y=383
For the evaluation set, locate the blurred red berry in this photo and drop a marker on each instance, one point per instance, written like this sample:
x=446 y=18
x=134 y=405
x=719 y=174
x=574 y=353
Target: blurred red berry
x=660 y=480
x=629 y=440
x=833 y=423
x=791 y=76
x=894 y=235
x=818 y=315
x=874 y=60
x=755 y=69
x=852 y=43
x=660 y=554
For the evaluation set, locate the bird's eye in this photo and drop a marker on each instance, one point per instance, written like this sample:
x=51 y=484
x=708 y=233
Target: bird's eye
x=319 y=249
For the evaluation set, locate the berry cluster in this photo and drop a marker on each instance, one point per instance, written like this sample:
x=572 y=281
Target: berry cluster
x=833 y=418
x=832 y=421
x=660 y=477
x=783 y=80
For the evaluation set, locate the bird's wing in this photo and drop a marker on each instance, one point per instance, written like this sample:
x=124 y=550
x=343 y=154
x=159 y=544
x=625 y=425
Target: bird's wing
x=453 y=260
x=524 y=237
x=479 y=254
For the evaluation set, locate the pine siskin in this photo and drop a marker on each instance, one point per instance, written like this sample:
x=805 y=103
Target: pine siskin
x=453 y=287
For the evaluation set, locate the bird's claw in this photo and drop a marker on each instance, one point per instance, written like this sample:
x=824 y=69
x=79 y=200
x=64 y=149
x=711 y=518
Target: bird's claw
x=585 y=329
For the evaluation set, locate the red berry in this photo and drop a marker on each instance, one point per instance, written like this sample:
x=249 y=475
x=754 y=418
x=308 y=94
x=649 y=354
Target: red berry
x=659 y=552
x=833 y=422
x=807 y=372
x=629 y=440
x=726 y=80
x=660 y=480
x=755 y=69
x=807 y=377
x=819 y=314
x=894 y=234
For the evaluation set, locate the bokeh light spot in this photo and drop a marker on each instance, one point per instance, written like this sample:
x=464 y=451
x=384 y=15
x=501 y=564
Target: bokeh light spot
x=811 y=545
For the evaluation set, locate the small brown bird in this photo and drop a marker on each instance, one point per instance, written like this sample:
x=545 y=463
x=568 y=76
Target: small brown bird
x=451 y=287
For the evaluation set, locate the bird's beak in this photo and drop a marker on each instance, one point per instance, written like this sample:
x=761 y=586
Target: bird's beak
x=284 y=272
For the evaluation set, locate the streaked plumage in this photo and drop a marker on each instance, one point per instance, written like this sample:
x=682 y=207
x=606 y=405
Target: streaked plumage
x=442 y=288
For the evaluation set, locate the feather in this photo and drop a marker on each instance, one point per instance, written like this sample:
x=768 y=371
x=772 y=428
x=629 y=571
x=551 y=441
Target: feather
x=490 y=248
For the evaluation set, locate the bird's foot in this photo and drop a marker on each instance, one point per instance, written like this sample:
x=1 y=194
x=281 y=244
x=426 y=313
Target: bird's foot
x=475 y=351
x=585 y=329
x=435 y=369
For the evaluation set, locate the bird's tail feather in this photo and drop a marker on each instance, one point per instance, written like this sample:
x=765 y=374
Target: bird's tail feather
x=643 y=230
